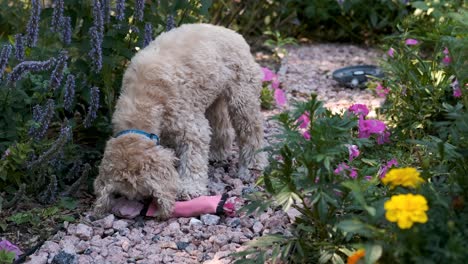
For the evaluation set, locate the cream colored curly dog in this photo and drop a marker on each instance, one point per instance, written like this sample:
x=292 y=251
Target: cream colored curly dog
x=188 y=86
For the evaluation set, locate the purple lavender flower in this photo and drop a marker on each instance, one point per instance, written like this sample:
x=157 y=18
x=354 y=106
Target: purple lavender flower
x=33 y=24
x=98 y=15
x=170 y=23
x=139 y=9
x=57 y=16
x=66 y=30
x=96 y=48
x=29 y=66
x=105 y=4
x=56 y=148
x=134 y=29
x=120 y=9
x=148 y=34
x=69 y=92
x=57 y=75
x=42 y=117
x=4 y=55
x=19 y=47
x=10 y=247
x=93 y=107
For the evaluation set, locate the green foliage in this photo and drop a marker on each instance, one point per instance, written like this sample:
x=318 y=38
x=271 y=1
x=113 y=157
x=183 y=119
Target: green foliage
x=7 y=257
x=277 y=44
x=49 y=164
x=267 y=100
x=352 y=20
x=429 y=121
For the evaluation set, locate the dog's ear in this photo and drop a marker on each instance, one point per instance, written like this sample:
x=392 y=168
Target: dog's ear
x=161 y=180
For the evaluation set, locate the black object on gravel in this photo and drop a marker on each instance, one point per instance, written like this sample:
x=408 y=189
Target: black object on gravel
x=356 y=76
x=64 y=258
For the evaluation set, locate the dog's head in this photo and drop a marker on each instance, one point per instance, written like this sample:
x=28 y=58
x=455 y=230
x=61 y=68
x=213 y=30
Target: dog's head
x=135 y=167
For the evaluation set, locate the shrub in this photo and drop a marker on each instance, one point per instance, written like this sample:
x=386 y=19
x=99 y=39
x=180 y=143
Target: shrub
x=60 y=72
x=371 y=192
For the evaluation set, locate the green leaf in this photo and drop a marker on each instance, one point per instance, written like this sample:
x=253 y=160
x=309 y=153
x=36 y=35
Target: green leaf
x=373 y=253
x=68 y=203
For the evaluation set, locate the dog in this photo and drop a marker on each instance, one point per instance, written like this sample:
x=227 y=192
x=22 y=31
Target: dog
x=180 y=98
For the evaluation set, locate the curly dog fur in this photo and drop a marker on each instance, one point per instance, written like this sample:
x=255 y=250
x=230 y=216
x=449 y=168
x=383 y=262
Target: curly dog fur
x=191 y=86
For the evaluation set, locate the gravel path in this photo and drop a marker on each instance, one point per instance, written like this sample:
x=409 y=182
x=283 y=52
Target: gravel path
x=209 y=238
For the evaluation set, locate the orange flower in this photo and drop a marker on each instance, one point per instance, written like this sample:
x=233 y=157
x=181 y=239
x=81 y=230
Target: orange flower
x=354 y=258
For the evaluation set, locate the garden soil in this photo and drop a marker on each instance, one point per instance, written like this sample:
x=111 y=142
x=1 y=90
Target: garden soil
x=210 y=238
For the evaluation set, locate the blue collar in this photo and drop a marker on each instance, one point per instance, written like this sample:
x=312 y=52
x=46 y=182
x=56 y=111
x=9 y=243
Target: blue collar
x=151 y=136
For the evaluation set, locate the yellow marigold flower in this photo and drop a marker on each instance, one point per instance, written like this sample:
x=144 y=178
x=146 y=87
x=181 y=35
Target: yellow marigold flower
x=407 y=177
x=354 y=258
x=406 y=209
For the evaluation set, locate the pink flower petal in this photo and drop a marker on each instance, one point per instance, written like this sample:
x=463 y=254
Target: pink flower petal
x=446 y=51
x=280 y=97
x=381 y=90
x=411 y=42
x=446 y=60
x=306 y=135
x=303 y=120
x=268 y=75
x=368 y=178
x=353 y=152
x=391 y=52
x=359 y=109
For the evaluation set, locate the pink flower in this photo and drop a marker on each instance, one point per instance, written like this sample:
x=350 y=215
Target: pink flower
x=446 y=60
x=411 y=42
x=391 y=52
x=359 y=109
x=306 y=135
x=303 y=120
x=10 y=247
x=268 y=75
x=353 y=152
x=383 y=170
x=381 y=90
x=457 y=92
x=383 y=137
x=280 y=97
x=368 y=178
x=369 y=127
x=275 y=83
x=341 y=167
x=446 y=51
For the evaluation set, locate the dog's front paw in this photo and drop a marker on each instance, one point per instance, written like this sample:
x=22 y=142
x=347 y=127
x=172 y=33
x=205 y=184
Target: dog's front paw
x=191 y=191
x=260 y=162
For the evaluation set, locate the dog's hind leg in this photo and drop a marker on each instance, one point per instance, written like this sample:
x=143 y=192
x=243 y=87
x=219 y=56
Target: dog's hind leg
x=222 y=133
x=246 y=118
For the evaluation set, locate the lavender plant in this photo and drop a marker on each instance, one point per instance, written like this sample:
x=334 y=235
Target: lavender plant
x=4 y=55
x=42 y=117
x=33 y=24
x=69 y=94
x=148 y=34
x=66 y=33
x=170 y=23
x=57 y=74
x=54 y=151
x=29 y=66
x=120 y=10
x=96 y=48
x=57 y=16
x=93 y=107
x=139 y=9
x=19 y=47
